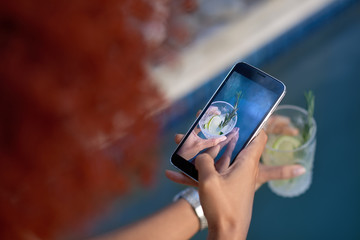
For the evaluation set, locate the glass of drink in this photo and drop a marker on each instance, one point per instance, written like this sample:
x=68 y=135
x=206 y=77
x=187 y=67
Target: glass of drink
x=291 y=140
x=219 y=120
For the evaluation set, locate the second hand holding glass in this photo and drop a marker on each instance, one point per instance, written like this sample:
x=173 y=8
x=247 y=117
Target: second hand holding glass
x=292 y=140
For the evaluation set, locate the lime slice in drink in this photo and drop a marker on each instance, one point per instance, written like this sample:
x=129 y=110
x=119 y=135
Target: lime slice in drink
x=286 y=143
x=206 y=125
x=213 y=125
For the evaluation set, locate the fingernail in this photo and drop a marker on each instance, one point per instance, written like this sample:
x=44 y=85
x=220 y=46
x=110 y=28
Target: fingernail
x=300 y=170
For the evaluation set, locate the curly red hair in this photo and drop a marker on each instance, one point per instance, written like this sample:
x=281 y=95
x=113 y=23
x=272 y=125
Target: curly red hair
x=72 y=75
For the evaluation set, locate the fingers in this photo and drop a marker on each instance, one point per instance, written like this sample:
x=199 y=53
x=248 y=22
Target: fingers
x=178 y=138
x=213 y=110
x=213 y=151
x=279 y=120
x=212 y=145
x=267 y=173
x=205 y=166
x=180 y=178
x=223 y=163
x=291 y=131
x=281 y=125
x=230 y=136
x=196 y=130
x=207 y=143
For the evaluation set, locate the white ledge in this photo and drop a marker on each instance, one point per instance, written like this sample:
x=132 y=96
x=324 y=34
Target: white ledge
x=204 y=59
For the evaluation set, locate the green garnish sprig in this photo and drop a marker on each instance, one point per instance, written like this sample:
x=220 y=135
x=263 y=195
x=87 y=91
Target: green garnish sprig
x=232 y=114
x=310 y=102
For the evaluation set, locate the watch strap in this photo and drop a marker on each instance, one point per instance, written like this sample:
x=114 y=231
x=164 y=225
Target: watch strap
x=191 y=195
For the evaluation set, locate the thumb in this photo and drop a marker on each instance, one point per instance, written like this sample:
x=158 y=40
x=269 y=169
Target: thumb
x=178 y=138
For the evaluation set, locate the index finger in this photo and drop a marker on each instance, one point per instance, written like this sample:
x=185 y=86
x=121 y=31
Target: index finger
x=204 y=163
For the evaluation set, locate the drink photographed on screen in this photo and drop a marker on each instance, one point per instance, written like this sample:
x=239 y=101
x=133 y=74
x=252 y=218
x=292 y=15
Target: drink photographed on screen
x=219 y=120
x=291 y=140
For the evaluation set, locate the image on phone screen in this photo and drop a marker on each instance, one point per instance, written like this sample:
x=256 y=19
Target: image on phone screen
x=230 y=119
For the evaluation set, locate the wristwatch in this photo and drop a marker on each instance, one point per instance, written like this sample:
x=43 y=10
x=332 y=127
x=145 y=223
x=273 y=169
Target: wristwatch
x=192 y=196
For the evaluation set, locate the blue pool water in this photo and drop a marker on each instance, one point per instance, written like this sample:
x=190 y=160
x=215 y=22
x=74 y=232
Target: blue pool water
x=327 y=61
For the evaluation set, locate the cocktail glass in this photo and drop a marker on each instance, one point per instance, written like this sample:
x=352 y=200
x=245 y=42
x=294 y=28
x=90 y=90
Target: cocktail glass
x=284 y=149
x=213 y=124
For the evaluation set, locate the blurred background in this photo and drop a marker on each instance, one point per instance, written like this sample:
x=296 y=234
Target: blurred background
x=309 y=45
x=75 y=130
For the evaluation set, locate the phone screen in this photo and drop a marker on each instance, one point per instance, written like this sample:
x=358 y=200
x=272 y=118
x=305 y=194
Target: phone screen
x=232 y=116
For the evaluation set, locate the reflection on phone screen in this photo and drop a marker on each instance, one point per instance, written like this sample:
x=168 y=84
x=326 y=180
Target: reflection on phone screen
x=229 y=121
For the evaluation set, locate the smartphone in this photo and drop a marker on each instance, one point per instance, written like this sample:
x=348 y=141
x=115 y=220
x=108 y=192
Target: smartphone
x=231 y=119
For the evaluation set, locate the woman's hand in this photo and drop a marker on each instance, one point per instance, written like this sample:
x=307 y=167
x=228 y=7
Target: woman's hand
x=195 y=144
x=265 y=173
x=227 y=197
x=280 y=125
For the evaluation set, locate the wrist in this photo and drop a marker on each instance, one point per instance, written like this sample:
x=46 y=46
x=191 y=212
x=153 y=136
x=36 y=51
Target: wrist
x=226 y=233
x=227 y=228
x=187 y=215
